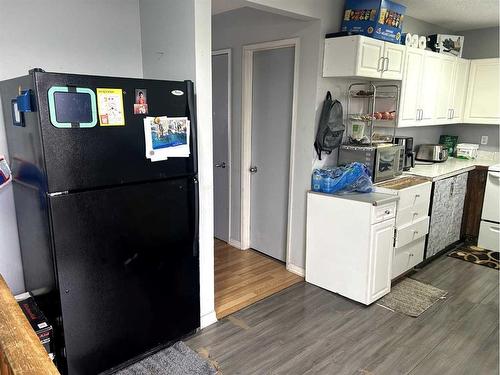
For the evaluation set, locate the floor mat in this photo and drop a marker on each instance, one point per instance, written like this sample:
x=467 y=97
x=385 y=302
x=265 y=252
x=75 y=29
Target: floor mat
x=477 y=255
x=411 y=297
x=178 y=359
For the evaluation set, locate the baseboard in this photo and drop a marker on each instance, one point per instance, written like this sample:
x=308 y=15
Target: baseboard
x=234 y=243
x=296 y=270
x=208 y=319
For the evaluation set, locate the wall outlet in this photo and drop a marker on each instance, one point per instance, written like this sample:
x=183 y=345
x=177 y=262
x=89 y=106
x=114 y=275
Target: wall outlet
x=484 y=140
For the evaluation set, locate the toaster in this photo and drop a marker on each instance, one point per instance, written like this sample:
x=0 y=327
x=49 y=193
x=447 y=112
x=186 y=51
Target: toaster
x=435 y=153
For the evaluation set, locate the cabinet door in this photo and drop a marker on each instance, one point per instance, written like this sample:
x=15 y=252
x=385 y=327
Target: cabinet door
x=370 y=54
x=458 y=190
x=394 y=55
x=428 y=88
x=410 y=87
x=460 y=77
x=381 y=259
x=444 y=97
x=483 y=92
x=441 y=214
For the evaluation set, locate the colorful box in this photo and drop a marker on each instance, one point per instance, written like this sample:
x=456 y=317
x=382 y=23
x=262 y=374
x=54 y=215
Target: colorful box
x=379 y=19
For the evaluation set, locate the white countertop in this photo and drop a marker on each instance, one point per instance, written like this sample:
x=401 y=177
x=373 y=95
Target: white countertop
x=374 y=198
x=453 y=166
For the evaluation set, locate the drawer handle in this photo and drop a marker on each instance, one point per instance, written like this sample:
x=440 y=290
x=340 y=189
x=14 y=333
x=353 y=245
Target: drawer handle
x=387 y=212
x=415 y=213
x=415 y=231
x=417 y=196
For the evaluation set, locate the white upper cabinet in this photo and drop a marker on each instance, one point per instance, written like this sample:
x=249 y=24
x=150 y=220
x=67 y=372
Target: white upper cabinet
x=359 y=56
x=429 y=87
x=459 y=88
x=482 y=104
x=444 y=99
x=409 y=112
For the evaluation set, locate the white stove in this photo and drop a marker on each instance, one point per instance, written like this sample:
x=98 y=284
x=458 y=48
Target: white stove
x=489 y=231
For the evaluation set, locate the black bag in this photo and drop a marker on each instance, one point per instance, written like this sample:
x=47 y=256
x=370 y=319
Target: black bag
x=330 y=128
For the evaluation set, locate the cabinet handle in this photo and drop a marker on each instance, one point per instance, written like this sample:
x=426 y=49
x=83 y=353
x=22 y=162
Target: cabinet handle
x=453 y=113
x=417 y=196
x=414 y=213
x=386 y=59
x=387 y=212
x=379 y=67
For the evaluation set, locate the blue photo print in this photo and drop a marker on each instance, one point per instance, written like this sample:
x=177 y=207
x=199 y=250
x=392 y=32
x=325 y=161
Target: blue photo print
x=168 y=132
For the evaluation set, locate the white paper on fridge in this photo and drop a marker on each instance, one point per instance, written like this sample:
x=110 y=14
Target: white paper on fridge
x=166 y=137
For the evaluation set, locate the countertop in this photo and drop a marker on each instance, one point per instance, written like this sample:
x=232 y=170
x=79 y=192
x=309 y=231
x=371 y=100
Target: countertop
x=452 y=167
x=375 y=199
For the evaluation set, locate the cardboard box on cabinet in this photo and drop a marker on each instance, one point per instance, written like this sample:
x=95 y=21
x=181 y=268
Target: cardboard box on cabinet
x=379 y=19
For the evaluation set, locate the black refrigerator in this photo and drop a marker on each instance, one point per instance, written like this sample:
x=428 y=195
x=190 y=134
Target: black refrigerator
x=109 y=238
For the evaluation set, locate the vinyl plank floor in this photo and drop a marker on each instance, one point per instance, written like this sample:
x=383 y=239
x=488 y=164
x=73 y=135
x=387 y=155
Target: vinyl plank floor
x=307 y=330
x=245 y=277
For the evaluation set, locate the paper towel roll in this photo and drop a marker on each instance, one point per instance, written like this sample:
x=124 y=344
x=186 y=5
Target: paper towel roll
x=422 y=42
x=414 y=41
x=407 y=39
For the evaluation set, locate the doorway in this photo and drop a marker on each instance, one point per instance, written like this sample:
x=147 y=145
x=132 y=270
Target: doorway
x=269 y=92
x=221 y=119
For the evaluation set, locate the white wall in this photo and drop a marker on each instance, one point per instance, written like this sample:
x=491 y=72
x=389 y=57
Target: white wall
x=176 y=45
x=91 y=37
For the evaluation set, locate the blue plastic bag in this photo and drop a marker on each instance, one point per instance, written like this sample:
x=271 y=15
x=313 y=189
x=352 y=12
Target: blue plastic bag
x=353 y=177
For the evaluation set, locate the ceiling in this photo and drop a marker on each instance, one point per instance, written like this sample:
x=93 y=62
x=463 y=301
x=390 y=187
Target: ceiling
x=455 y=15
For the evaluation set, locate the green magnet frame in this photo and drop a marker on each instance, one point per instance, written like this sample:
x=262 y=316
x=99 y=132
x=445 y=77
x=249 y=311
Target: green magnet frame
x=79 y=90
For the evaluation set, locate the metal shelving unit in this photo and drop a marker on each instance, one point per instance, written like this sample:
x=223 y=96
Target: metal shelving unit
x=371 y=93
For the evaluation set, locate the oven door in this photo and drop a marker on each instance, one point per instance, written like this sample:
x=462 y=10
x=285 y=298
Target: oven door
x=387 y=163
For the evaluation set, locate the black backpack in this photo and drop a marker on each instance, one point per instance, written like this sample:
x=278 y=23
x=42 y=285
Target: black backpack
x=330 y=128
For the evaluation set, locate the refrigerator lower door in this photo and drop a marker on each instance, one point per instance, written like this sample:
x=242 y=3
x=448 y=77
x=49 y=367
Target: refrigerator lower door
x=127 y=268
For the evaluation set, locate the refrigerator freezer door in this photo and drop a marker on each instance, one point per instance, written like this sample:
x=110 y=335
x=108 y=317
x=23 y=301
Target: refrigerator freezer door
x=78 y=158
x=127 y=266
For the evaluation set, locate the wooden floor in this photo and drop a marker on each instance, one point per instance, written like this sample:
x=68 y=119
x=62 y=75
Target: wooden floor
x=245 y=277
x=307 y=330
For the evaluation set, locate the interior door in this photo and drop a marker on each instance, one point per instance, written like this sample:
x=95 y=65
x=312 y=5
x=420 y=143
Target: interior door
x=273 y=74
x=220 y=120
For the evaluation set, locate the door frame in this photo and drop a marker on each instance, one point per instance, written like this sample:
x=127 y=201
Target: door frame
x=228 y=52
x=246 y=135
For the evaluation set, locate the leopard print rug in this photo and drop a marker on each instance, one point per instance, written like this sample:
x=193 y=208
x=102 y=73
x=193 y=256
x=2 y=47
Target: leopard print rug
x=477 y=255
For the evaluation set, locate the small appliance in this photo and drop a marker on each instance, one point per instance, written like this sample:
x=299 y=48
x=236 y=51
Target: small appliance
x=384 y=161
x=409 y=155
x=434 y=153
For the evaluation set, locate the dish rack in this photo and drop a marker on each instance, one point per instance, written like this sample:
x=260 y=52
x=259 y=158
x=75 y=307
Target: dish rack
x=362 y=116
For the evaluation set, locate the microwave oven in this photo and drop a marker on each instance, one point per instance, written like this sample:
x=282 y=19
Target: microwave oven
x=384 y=161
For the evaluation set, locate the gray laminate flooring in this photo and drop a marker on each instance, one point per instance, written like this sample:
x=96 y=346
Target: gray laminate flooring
x=307 y=330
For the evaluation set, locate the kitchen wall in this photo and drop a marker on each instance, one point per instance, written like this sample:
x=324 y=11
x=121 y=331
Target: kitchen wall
x=244 y=26
x=91 y=37
x=415 y=26
x=176 y=45
x=481 y=43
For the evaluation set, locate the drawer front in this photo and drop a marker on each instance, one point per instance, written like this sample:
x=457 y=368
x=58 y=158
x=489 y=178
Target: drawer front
x=411 y=232
x=415 y=196
x=410 y=215
x=407 y=257
x=385 y=212
x=489 y=236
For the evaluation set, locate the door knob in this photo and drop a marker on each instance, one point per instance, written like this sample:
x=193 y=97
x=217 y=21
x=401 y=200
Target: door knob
x=220 y=165
x=253 y=169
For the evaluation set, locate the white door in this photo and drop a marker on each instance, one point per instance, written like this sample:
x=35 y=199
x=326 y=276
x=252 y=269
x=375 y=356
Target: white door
x=394 y=63
x=410 y=87
x=460 y=77
x=370 y=55
x=381 y=251
x=444 y=97
x=220 y=95
x=272 y=99
x=428 y=88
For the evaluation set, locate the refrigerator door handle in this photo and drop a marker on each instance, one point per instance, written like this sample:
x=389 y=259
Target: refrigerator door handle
x=196 y=218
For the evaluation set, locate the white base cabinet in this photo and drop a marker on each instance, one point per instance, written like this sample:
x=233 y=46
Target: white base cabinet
x=349 y=246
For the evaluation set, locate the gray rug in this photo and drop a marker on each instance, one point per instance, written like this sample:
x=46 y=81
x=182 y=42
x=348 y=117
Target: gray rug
x=411 y=297
x=175 y=360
